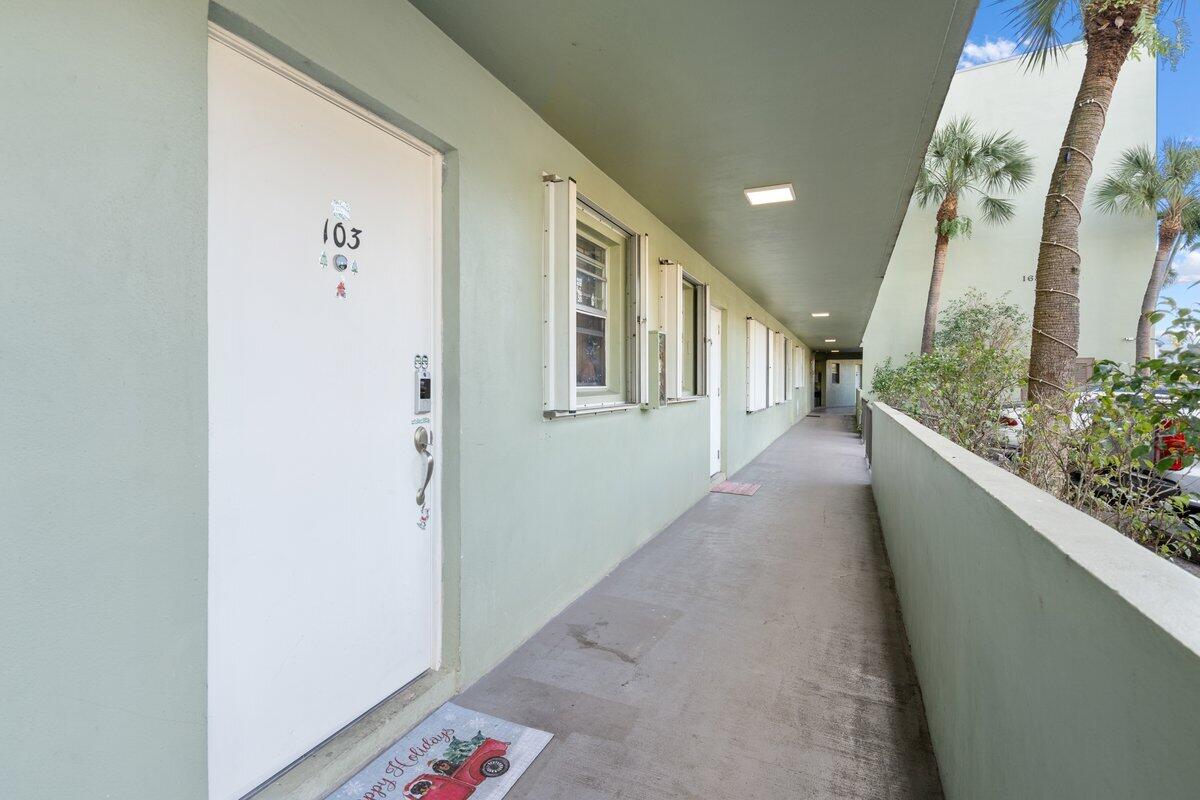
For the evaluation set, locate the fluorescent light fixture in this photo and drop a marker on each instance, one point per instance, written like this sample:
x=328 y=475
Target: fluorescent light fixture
x=779 y=193
x=820 y=313
x=829 y=341
x=835 y=351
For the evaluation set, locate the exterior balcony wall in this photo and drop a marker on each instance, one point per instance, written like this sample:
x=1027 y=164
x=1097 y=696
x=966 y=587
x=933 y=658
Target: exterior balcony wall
x=1056 y=657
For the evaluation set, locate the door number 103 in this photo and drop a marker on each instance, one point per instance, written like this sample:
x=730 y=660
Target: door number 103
x=340 y=238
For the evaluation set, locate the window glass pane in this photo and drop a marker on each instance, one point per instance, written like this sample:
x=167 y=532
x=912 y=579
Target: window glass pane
x=590 y=291
x=589 y=350
x=591 y=251
x=689 y=339
x=602 y=302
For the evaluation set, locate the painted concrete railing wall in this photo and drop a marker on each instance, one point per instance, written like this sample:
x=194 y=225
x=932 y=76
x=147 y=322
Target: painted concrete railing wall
x=1057 y=659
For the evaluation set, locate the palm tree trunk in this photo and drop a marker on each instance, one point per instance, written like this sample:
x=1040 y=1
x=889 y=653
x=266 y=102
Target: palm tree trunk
x=935 y=292
x=1168 y=235
x=947 y=212
x=1056 y=304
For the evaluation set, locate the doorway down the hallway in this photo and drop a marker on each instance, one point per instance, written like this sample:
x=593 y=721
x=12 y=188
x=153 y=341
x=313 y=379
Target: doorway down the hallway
x=753 y=649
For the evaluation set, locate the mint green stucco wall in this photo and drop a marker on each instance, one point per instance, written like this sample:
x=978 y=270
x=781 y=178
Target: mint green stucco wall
x=103 y=420
x=1057 y=659
x=103 y=485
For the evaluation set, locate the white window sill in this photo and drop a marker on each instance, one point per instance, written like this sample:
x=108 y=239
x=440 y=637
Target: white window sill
x=678 y=400
x=589 y=410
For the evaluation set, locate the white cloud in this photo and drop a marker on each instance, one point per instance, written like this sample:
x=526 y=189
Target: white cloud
x=1187 y=267
x=974 y=54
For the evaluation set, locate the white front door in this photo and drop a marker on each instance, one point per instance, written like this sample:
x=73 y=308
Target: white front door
x=716 y=401
x=322 y=313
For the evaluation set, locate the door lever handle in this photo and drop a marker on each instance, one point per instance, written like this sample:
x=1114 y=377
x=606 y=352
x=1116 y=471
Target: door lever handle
x=421 y=442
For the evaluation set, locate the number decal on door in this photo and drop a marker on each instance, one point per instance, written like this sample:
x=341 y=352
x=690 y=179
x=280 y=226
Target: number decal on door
x=340 y=236
x=349 y=238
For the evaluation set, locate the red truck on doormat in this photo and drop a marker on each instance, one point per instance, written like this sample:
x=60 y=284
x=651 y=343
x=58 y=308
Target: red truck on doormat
x=450 y=781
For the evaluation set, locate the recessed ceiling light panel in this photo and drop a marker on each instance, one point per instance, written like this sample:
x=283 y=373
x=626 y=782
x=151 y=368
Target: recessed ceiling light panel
x=820 y=313
x=829 y=341
x=763 y=195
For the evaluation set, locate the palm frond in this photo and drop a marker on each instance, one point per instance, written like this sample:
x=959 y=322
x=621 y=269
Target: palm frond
x=1117 y=195
x=1006 y=162
x=1180 y=163
x=1039 y=26
x=1137 y=162
x=1133 y=186
x=931 y=186
x=1164 y=185
x=1191 y=227
x=996 y=209
x=1043 y=27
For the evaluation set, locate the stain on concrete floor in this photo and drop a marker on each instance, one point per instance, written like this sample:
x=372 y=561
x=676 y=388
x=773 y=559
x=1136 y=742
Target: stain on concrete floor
x=750 y=650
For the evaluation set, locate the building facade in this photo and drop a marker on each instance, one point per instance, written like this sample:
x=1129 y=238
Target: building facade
x=204 y=346
x=1001 y=261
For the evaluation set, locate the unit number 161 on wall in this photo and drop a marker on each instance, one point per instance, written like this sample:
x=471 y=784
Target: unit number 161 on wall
x=340 y=238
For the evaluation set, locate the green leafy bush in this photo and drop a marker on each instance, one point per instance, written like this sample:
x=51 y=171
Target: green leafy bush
x=975 y=368
x=1094 y=447
x=1123 y=415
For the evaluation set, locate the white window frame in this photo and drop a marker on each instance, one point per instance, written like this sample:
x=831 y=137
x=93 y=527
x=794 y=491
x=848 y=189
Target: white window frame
x=672 y=313
x=561 y=397
x=758 y=341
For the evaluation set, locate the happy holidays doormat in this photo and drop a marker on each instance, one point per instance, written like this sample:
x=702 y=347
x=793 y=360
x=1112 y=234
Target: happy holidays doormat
x=729 y=487
x=454 y=754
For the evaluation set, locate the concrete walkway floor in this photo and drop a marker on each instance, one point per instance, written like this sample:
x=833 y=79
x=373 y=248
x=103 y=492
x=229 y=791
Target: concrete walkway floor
x=753 y=651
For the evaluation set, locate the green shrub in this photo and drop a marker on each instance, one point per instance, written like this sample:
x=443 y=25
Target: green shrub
x=975 y=368
x=1094 y=447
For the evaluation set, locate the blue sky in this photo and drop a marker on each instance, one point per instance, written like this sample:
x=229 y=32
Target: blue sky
x=991 y=38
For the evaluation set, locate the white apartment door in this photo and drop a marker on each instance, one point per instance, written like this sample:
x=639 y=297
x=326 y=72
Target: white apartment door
x=323 y=256
x=716 y=402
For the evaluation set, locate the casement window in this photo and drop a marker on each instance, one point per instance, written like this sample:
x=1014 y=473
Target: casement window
x=683 y=310
x=789 y=367
x=758 y=340
x=778 y=369
x=798 y=353
x=594 y=297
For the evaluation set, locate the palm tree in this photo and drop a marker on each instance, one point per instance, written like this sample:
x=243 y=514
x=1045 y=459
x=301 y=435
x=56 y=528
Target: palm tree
x=1112 y=29
x=1168 y=187
x=960 y=161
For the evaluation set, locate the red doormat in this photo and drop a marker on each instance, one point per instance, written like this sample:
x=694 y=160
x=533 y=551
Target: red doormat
x=729 y=487
x=454 y=754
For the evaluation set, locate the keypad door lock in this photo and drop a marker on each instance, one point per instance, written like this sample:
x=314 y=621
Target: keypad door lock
x=422 y=386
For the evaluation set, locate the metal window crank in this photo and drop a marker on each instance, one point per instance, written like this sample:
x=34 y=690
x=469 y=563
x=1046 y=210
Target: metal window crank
x=421 y=442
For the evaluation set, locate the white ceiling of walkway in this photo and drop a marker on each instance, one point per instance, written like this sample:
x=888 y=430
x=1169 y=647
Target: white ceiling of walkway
x=688 y=102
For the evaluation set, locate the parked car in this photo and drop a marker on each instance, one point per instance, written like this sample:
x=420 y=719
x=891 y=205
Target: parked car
x=449 y=781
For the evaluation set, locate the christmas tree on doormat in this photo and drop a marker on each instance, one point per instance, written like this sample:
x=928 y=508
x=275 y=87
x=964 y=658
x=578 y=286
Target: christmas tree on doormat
x=459 y=750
